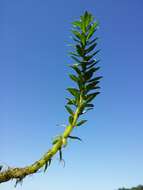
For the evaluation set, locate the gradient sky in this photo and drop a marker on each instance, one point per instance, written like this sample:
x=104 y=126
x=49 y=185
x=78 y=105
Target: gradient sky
x=33 y=78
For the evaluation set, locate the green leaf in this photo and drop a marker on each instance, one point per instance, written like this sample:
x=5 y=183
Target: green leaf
x=92 y=30
x=85 y=62
x=91 y=86
x=89 y=73
x=88 y=109
x=74 y=54
x=87 y=18
x=80 y=50
x=92 y=41
x=76 y=40
x=91 y=48
x=91 y=56
x=69 y=110
x=77 y=34
x=77 y=70
x=50 y=160
x=81 y=122
x=77 y=60
x=83 y=39
x=76 y=24
x=76 y=138
x=73 y=91
x=90 y=97
x=46 y=166
x=60 y=154
x=18 y=181
x=96 y=79
x=71 y=101
x=73 y=77
x=89 y=105
x=83 y=23
x=70 y=119
x=77 y=99
x=96 y=52
x=94 y=69
x=92 y=65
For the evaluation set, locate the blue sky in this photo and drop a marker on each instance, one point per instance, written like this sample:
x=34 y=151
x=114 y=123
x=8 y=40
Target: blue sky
x=33 y=78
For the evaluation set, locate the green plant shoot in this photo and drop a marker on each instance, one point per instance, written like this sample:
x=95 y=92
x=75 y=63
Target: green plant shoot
x=80 y=101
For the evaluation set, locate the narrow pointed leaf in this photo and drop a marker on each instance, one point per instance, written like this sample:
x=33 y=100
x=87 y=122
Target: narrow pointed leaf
x=71 y=101
x=76 y=24
x=73 y=77
x=76 y=33
x=76 y=40
x=46 y=166
x=69 y=110
x=90 y=97
x=77 y=60
x=60 y=154
x=73 y=91
x=89 y=73
x=80 y=50
x=92 y=41
x=92 y=65
x=49 y=162
x=78 y=71
x=89 y=105
x=61 y=157
x=88 y=18
x=91 y=56
x=73 y=54
x=92 y=30
x=88 y=109
x=89 y=62
x=81 y=122
x=96 y=79
x=91 y=48
x=91 y=86
x=83 y=39
x=70 y=119
x=76 y=138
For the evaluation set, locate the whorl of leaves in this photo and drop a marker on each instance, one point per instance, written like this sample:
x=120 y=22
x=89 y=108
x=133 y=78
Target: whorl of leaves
x=85 y=67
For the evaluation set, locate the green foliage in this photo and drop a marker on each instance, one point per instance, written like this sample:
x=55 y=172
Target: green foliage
x=81 y=122
x=82 y=95
x=140 y=187
x=85 y=67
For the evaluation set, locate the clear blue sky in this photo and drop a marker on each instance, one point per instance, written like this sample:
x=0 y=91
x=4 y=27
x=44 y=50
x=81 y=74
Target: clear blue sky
x=33 y=78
